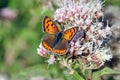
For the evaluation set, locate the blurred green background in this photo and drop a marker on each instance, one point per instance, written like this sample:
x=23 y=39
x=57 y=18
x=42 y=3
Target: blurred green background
x=20 y=35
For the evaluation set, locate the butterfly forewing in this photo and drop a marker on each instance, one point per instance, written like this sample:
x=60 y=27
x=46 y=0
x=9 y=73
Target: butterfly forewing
x=49 y=26
x=68 y=34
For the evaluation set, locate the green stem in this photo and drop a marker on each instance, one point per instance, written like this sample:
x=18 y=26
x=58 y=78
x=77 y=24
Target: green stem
x=77 y=76
x=89 y=75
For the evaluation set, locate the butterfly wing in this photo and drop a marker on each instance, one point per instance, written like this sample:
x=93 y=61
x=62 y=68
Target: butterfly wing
x=48 y=41
x=61 y=47
x=49 y=26
x=78 y=36
x=69 y=34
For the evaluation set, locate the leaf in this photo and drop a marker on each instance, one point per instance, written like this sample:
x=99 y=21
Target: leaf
x=96 y=75
x=86 y=72
x=68 y=77
x=107 y=70
x=77 y=76
x=104 y=71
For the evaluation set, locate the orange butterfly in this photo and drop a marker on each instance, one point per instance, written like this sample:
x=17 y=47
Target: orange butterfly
x=56 y=40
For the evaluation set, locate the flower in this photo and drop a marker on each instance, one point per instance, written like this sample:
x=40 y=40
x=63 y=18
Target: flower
x=88 y=48
x=51 y=60
x=8 y=14
x=99 y=58
x=78 y=13
x=42 y=51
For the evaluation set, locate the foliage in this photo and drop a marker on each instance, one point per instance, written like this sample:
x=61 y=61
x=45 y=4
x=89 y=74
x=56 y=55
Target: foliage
x=19 y=38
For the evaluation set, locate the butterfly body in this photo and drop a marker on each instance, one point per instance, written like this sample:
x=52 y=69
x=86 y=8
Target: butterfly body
x=56 y=40
x=58 y=37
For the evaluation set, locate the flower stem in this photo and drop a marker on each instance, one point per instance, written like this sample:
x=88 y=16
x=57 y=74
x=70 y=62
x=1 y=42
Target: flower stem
x=77 y=76
x=89 y=75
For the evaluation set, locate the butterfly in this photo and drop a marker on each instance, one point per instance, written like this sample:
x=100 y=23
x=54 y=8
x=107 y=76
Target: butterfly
x=55 y=39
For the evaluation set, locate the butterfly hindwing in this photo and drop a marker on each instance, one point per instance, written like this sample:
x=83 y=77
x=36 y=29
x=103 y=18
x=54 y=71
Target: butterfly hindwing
x=61 y=47
x=69 y=34
x=48 y=41
x=49 y=26
x=78 y=36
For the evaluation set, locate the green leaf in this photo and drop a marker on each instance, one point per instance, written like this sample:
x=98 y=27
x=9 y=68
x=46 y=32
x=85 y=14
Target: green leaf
x=86 y=72
x=104 y=71
x=107 y=70
x=77 y=76
x=96 y=75
x=68 y=77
